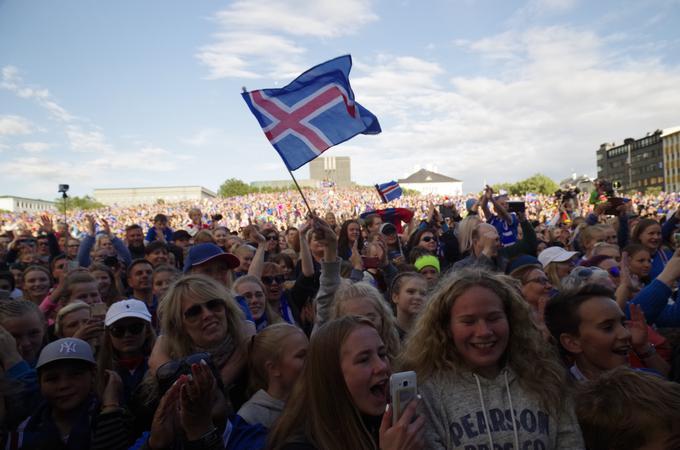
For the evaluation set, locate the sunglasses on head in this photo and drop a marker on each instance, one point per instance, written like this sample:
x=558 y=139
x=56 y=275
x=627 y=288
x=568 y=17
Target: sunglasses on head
x=214 y=305
x=428 y=238
x=119 y=331
x=169 y=372
x=269 y=280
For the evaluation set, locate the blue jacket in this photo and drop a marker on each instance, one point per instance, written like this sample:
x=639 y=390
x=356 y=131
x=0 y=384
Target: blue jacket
x=89 y=241
x=653 y=299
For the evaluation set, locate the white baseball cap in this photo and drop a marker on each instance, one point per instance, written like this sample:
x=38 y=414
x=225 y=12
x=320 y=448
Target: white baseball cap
x=127 y=308
x=555 y=254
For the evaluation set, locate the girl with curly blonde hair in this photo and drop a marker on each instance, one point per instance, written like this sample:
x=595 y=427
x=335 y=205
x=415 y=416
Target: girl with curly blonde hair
x=487 y=377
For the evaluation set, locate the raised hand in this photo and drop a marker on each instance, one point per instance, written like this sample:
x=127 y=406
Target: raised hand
x=196 y=401
x=46 y=223
x=406 y=434
x=638 y=329
x=107 y=227
x=162 y=433
x=91 y=225
x=112 y=391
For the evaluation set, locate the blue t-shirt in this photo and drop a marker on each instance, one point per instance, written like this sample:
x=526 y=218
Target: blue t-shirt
x=507 y=233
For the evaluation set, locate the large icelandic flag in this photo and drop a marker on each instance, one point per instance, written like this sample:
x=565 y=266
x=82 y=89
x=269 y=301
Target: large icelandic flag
x=389 y=191
x=313 y=113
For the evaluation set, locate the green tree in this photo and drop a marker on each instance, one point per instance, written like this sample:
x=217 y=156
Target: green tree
x=233 y=187
x=78 y=203
x=538 y=183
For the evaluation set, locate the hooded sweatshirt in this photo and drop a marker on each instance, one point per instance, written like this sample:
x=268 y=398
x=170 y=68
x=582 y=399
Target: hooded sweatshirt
x=459 y=407
x=261 y=408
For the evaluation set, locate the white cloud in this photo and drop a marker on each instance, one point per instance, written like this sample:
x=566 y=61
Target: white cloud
x=35 y=147
x=202 y=137
x=535 y=9
x=263 y=34
x=236 y=54
x=11 y=125
x=556 y=95
x=321 y=18
x=87 y=141
x=12 y=81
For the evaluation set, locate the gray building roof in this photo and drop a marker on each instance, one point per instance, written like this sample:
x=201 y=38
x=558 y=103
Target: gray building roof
x=425 y=176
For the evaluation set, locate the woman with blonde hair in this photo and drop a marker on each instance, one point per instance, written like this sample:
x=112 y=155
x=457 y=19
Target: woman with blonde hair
x=198 y=314
x=338 y=403
x=362 y=299
x=251 y=288
x=483 y=365
x=464 y=232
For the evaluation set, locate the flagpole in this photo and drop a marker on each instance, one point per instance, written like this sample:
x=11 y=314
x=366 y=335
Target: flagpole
x=311 y=214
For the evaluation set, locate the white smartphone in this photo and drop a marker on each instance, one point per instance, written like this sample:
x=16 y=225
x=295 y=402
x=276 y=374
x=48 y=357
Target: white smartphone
x=403 y=389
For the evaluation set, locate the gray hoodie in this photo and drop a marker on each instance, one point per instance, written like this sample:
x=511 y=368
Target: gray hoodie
x=261 y=408
x=458 y=407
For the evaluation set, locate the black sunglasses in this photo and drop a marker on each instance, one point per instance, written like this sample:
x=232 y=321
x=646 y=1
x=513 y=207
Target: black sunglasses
x=169 y=372
x=118 y=331
x=272 y=237
x=428 y=238
x=269 y=280
x=214 y=305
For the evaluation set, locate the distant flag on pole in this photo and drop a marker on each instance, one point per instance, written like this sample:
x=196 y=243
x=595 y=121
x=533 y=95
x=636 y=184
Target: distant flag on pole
x=389 y=191
x=313 y=113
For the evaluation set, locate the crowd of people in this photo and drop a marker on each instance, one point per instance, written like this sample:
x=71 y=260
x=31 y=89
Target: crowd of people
x=540 y=322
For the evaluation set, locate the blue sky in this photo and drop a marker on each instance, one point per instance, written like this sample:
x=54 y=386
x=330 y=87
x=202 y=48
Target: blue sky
x=147 y=93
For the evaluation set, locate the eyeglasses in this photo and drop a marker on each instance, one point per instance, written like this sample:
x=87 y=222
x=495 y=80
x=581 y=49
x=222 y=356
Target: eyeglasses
x=272 y=238
x=428 y=238
x=214 y=305
x=269 y=280
x=541 y=280
x=118 y=331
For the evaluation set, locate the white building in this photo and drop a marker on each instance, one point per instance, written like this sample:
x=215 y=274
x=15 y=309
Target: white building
x=427 y=182
x=151 y=195
x=21 y=204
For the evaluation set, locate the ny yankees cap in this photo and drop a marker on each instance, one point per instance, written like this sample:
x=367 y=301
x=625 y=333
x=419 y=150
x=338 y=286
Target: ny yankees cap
x=67 y=348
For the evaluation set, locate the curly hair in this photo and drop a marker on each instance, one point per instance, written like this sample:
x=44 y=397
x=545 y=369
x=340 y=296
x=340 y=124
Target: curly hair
x=430 y=351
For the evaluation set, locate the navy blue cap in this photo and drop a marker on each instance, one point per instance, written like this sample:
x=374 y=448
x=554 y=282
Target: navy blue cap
x=523 y=261
x=207 y=251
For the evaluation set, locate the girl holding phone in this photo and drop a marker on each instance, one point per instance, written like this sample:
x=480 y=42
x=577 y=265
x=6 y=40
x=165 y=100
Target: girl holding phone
x=349 y=355
x=486 y=375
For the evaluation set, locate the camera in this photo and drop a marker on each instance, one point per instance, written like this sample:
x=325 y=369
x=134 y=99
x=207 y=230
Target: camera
x=63 y=188
x=567 y=194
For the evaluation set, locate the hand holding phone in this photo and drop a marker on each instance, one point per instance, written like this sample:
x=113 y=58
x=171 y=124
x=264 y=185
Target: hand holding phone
x=99 y=309
x=403 y=389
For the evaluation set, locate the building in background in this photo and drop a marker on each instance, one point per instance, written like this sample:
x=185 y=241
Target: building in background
x=637 y=164
x=427 y=182
x=151 y=195
x=331 y=169
x=21 y=204
x=670 y=142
